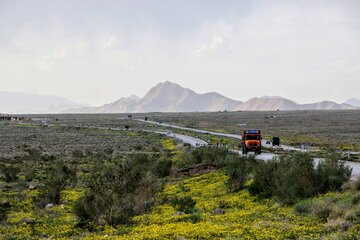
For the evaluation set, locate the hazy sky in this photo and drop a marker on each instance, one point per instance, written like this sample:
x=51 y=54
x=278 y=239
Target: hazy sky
x=98 y=51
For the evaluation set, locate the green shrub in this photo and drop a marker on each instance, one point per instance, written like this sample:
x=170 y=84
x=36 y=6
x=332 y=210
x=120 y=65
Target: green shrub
x=331 y=174
x=4 y=209
x=184 y=204
x=209 y=155
x=195 y=217
x=163 y=167
x=303 y=207
x=322 y=211
x=58 y=176
x=238 y=169
x=294 y=177
x=10 y=173
x=355 y=199
x=117 y=192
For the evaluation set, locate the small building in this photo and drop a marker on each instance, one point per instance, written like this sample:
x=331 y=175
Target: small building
x=11 y=118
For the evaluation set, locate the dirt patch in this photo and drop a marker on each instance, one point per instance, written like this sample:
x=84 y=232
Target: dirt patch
x=195 y=169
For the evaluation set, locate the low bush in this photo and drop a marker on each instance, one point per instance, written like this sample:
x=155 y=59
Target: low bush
x=331 y=174
x=238 y=169
x=195 y=217
x=294 y=177
x=184 y=204
x=209 y=155
x=58 y=176
x=10 y=173
x=4 y=209
x=163 y=167
x=303 y=207
x=118 y=191
x=355 y=199
x=321 y=211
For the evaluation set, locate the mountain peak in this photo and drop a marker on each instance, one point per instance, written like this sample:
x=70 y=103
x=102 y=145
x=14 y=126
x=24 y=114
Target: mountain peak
x=271 y=97
x=133 y=97
x=167 y=85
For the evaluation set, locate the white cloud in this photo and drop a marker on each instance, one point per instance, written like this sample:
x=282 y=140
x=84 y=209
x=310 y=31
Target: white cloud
x=211 y=46
x=108 y=43
x=49 y=60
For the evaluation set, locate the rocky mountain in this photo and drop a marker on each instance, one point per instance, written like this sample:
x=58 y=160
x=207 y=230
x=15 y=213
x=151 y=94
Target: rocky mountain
x=353 y=102
x=171 y=97
x=14 y=102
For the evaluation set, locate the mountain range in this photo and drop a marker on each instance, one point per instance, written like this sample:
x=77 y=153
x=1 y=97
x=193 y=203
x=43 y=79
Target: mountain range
x=171 y=97
x=164 y=97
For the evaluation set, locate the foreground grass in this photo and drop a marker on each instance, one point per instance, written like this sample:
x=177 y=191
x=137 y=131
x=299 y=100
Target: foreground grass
x=244 y=217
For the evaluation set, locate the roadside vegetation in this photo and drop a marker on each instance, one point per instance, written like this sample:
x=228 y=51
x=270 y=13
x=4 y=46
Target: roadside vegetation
x=157 y=188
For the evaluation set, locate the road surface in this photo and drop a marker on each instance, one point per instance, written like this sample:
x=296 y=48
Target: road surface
x=195 y=142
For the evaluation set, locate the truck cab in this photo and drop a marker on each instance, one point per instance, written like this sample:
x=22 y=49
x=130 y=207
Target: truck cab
x=251 y=141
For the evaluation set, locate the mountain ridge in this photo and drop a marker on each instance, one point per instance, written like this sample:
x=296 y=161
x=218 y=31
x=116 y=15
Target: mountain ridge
x=171 y=97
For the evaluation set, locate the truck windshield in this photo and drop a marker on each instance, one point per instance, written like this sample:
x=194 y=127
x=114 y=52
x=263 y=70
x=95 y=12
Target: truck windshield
x=252 y=137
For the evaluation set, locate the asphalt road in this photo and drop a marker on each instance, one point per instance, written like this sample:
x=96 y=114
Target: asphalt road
x=196 y=142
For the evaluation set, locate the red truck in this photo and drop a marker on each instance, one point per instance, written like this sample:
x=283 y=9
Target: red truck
x=251 y=141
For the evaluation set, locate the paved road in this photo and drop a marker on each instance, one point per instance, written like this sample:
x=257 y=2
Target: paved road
x=196 y=142
x=191 y=129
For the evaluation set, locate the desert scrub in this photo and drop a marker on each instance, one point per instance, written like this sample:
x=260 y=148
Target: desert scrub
x=117 y=192
x=239 y=170
x=294 y=177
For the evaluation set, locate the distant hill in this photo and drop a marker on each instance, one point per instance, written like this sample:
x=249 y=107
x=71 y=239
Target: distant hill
x=171 y=97
x=326 y=105
x=353 y=102
x=14 y=102
x=267 y=103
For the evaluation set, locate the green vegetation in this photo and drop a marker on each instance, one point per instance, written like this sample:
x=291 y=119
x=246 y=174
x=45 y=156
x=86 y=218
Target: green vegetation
x=294 y=177
x=64 y=182
x=117 y=192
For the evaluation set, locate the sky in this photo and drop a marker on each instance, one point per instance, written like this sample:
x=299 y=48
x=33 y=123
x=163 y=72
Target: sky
x=95 y=52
